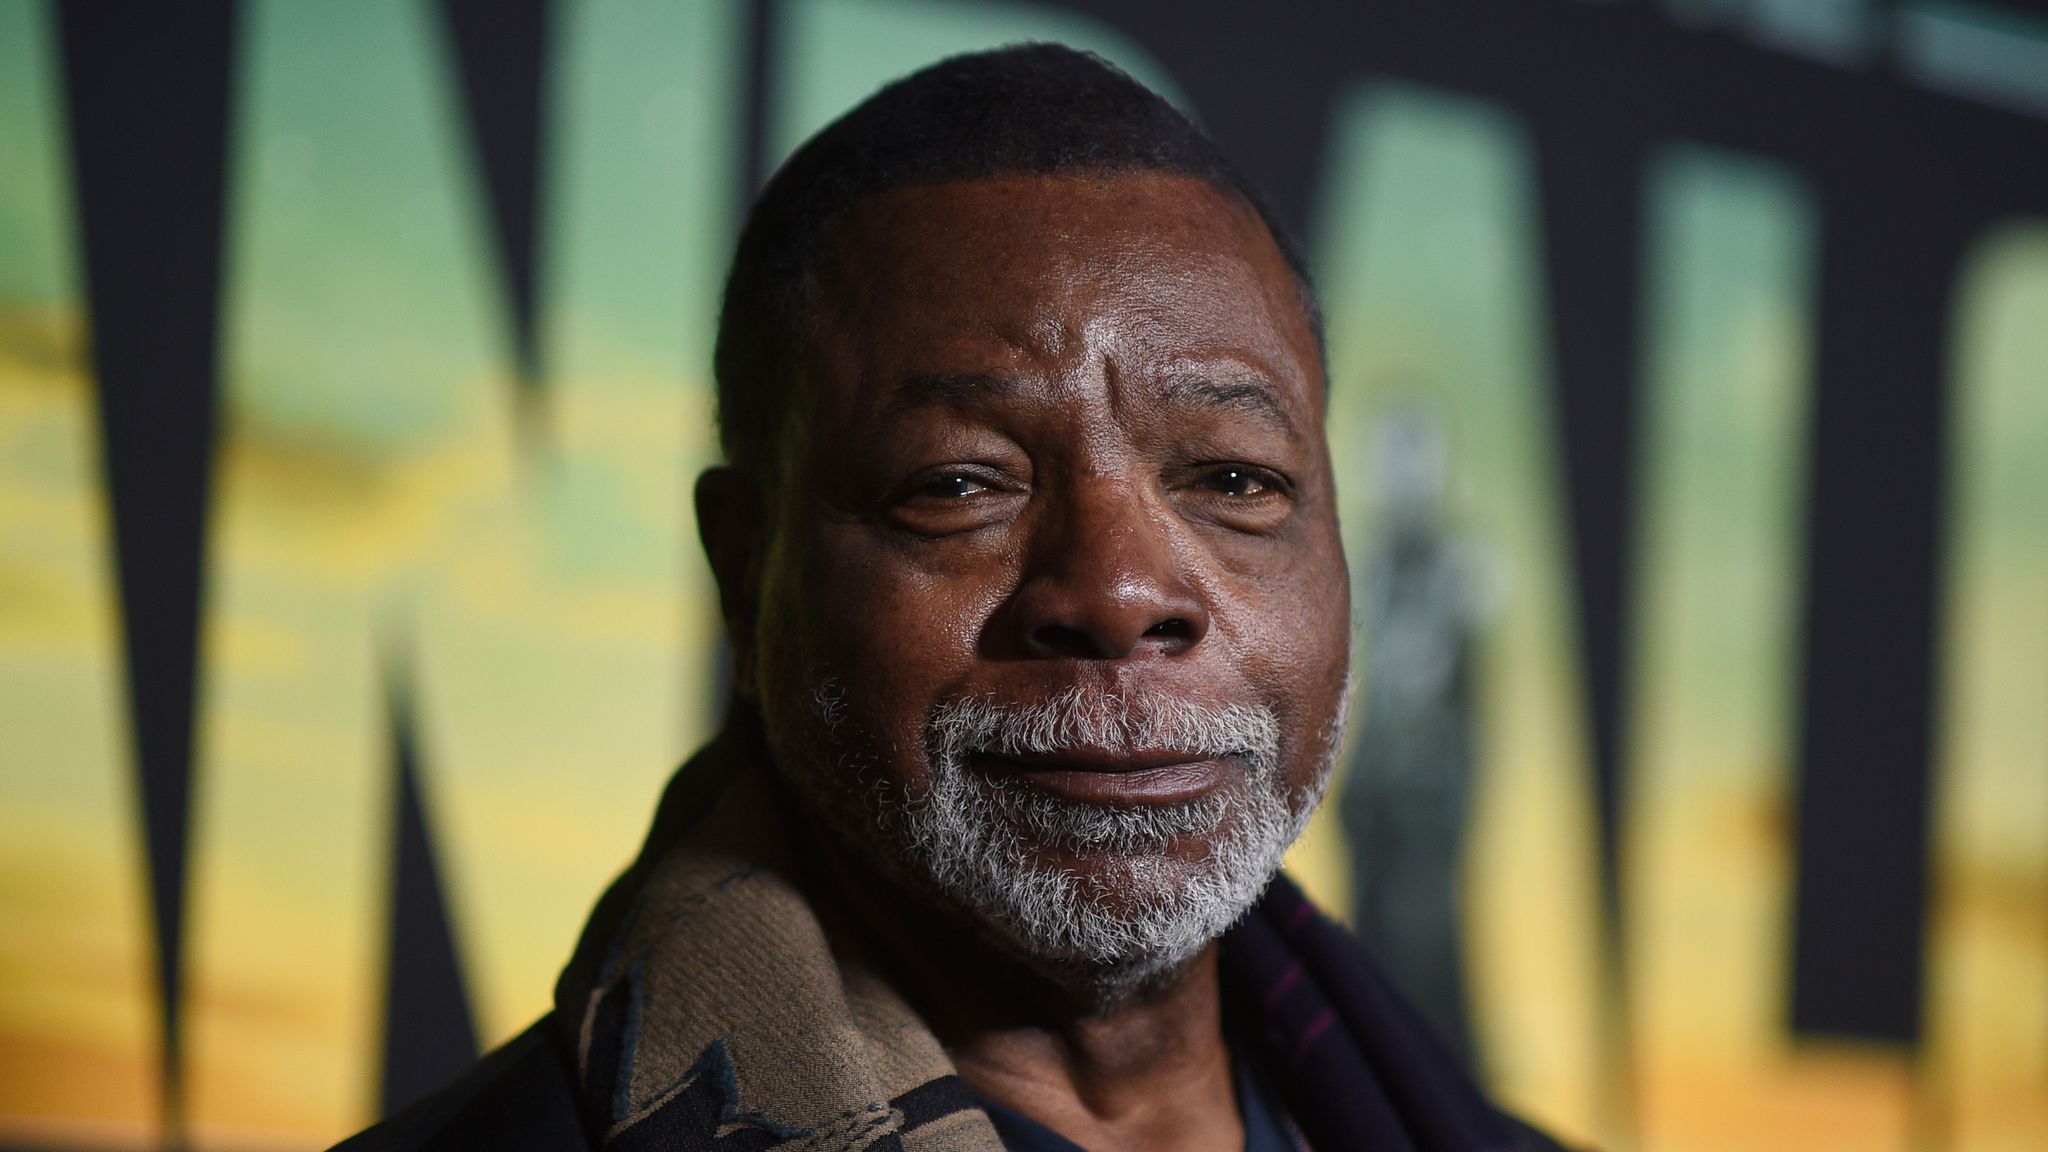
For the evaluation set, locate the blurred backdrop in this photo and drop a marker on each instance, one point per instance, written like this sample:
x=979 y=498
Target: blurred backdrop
x=1690 y=403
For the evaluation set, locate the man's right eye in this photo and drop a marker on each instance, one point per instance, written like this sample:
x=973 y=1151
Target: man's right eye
x=952 y=498
x=953 y=485
x=947 y=501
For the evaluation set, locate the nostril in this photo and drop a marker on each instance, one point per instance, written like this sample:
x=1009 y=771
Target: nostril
x=1176 y=628
x=1061 y=640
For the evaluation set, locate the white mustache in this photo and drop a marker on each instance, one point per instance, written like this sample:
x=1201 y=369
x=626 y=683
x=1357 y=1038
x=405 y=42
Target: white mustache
x=1084 y=718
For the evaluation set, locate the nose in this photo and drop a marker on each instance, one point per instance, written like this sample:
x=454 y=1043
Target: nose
x=1103 y=582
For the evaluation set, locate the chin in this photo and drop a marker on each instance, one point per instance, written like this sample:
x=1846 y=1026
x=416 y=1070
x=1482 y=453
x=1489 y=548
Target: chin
x=1107 y=903
x=1109 y=930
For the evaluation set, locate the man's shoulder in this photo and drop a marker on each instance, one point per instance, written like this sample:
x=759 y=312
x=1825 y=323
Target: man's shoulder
x=521 y=1096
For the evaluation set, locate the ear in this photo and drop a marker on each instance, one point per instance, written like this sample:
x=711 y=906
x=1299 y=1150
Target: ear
x=732 y=525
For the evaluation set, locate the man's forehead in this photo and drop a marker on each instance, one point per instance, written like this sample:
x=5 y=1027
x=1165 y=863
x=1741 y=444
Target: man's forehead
x=948 y=279
x=1159 y=208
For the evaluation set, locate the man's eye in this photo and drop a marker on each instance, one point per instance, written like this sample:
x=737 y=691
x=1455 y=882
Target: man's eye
x=954 y=486
x=1237 y=482
x=947 y=503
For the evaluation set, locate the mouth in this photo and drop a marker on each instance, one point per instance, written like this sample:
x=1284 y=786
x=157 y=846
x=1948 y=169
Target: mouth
x=1118 y=778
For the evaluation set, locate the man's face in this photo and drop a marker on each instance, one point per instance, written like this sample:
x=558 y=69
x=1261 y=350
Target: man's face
x=1053 y=620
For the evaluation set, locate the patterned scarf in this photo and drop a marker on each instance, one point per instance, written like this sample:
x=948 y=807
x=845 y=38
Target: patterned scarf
x=708 y=1008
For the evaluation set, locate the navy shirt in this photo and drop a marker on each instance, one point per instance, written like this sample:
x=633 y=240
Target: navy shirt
x=1265 y=1129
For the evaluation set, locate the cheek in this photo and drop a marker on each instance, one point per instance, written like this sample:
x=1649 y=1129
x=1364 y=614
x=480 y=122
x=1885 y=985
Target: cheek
x=1326 y=648
x=1321 y=620
x=1290 y=626
x=1288 y=601
x=898 y=628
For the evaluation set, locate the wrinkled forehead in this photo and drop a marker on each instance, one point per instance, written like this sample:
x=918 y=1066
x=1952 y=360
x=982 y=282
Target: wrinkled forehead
x=963 y=276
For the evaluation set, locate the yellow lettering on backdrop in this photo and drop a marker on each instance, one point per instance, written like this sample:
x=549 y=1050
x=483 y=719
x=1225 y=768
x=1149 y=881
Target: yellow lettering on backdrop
x=374 y=521
x=1987 y=1009
x=1429 y=260
x=78 y=1038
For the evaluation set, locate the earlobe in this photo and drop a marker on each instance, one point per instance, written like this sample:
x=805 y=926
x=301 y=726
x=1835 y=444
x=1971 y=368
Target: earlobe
x=729 y=525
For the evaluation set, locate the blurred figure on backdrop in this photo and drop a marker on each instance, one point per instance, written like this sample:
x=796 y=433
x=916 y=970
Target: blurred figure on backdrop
x=1407 y=796
x=1028 y=555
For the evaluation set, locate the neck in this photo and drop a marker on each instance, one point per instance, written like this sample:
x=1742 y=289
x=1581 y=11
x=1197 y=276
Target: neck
x=1108 y=1068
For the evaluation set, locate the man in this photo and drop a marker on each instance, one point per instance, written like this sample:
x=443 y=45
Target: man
x=1027 y=550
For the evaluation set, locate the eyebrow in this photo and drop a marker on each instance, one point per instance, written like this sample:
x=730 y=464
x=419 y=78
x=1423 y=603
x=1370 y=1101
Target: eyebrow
x=914 y=392
x=1249 y=394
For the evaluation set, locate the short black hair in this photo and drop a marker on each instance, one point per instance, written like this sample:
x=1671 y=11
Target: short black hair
x=1031 y=109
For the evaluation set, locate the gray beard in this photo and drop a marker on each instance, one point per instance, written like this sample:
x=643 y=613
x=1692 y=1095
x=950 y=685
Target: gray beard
x=974 y=841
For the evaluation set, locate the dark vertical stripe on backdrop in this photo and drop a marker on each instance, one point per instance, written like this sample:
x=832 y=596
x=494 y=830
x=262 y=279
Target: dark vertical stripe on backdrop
x=429 y=1031
x=1590 y=161
x=761 y=43
x=148 y=92
x=1592 y=212
x=502 y=52
x=1890 y=248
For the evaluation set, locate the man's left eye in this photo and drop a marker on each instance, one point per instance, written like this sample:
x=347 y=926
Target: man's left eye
x=1237 y=482
x=953 y=485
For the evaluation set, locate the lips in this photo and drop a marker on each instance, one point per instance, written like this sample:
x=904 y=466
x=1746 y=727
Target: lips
x=1088 y=759
x=1116 y=778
